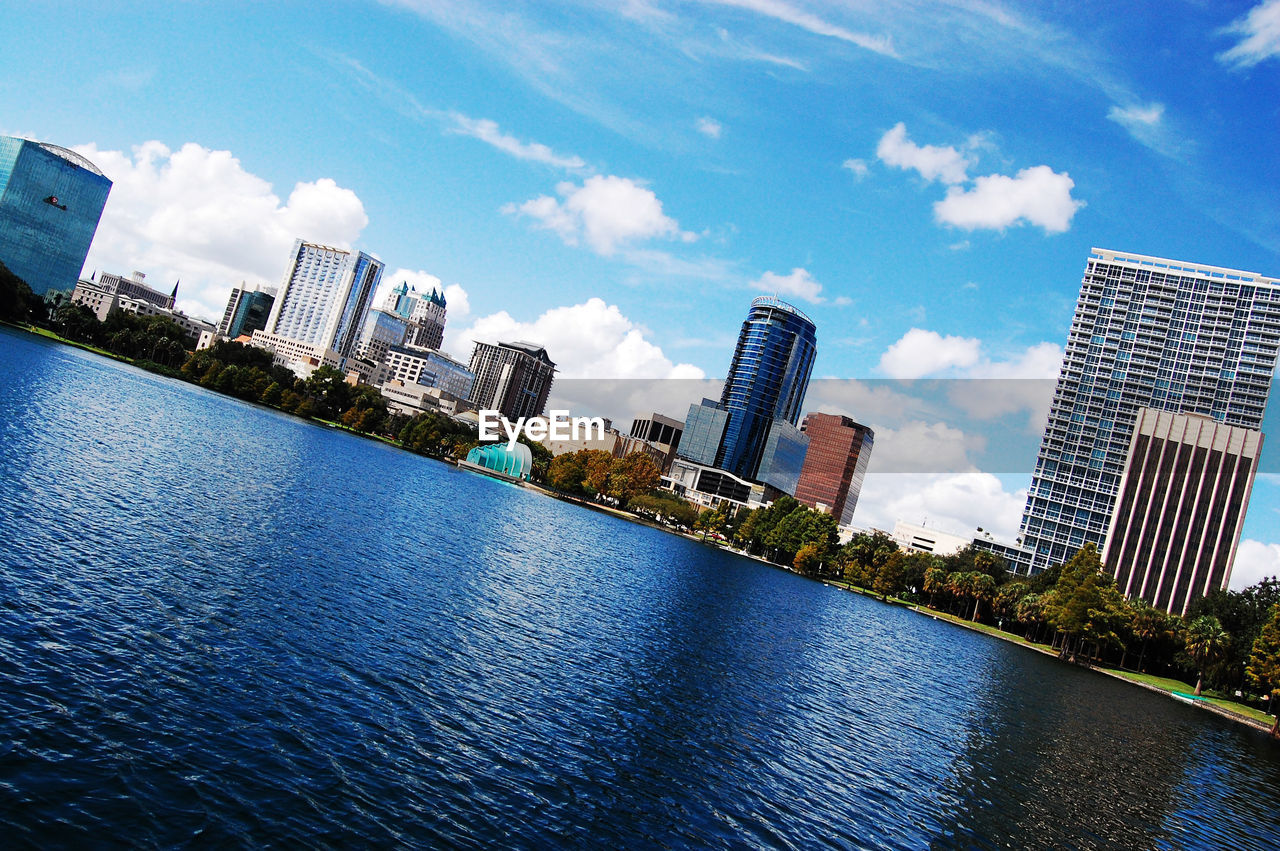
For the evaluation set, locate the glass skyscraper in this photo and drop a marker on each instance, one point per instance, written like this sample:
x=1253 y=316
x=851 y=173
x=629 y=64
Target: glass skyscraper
x=1147 y=333
x=50 y=202
x=767 y=380
x=325 y=297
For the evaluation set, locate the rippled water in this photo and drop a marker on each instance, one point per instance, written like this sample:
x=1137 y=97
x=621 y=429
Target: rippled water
x=220 y=625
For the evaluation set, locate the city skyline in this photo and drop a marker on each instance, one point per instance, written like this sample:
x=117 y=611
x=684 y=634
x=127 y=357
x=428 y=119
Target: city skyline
x=864 y=164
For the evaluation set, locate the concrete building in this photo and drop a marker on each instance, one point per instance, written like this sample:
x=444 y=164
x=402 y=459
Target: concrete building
x=51 y=200
x=107 y=293
x=511 y=378
x=428 y=368
x=834 y=465
x=1181 y=507
x=710 y=487
x=926 y=539
x=661 y=434
x=380 y=332
x=423 y=315
x=323 y=299
x=248 y=309
x=1147 y=333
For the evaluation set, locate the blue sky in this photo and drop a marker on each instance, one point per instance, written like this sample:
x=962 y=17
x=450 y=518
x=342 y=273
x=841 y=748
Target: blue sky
x=924 y=179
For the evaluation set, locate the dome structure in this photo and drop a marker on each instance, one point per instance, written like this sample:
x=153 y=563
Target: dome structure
x=501 y=458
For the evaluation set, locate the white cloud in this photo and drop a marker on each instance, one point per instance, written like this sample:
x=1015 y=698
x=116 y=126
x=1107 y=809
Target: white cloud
x=709 y=127
x=1254 y=562
x=197 y=215
x=1260 y=29
x=487 y=131
x=1038 y=196
x=1137 y=115
x=609 y=212
x=858 y=167
x=933 y=163
x=919 y=353
x=923 y=447
x=805 y=20
x=799 y=284
x=588 y=340
x=957 y=503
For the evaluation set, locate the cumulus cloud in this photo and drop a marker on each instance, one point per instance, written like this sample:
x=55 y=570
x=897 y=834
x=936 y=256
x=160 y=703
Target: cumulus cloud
x=608 y=212
x=198 y=215
x=589 y=340
x=1260 y=36
x=1038 y=196
x=799 y=284
x=946 y=164
x=1254 y=562
x=919 y=353
x=487 y=131
x=957 y=503
x=709 y=127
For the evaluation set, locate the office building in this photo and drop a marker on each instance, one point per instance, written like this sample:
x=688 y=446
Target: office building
x=783 y=457
x=382 y=330
x=1147 y=333
x=511 y=378
x=50 y=202
x=834 y=465
x=429 y=368
x=106 y=293
x=423 y=314
x=323 y=299
x=247 y=311
x=1180 y=508
x=767 y=380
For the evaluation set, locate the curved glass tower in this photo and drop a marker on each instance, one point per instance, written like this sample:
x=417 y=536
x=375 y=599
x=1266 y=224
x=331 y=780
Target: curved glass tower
x=767 y=381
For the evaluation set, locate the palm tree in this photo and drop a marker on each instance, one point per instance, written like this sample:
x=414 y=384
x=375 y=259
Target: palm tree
x=1206 y=643
x=935 y=580
x=981 y=587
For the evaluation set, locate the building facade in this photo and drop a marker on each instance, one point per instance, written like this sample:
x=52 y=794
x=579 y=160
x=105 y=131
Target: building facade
x=428 y=368
x=51 y=200
x=835 y=464
x=1180 y=508
x=1147 y=333
x=767 y=381
x=324 y=297
x=511 y=378
x=382 y=330
x=248 y=309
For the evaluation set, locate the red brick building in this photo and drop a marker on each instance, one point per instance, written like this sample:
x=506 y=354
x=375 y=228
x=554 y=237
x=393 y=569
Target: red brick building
x=834 y=465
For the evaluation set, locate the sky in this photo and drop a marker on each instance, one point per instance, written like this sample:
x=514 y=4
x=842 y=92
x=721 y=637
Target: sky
x=617 y=180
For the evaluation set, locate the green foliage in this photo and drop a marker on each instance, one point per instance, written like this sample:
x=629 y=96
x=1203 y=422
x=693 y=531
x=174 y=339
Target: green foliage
x=18 y=303
x=664 y=507
x=1263 y=670
x=1086 y=607
x=1206 y=644
x=435 y=434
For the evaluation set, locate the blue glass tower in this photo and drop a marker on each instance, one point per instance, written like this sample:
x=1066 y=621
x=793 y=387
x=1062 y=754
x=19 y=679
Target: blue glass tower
x=767 y=381
x=50 y=202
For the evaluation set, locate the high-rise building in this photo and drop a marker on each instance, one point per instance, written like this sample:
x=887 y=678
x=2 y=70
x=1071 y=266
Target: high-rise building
x=50 y=202
x=106 y=293
x=429 y=368
x=247 y=311
x=512 y=378
x=835 y=464
x=767 y=380
x=1147 y=333
x=1181 y=507
x=423 y=314
x=323 y=298
x=381 y=331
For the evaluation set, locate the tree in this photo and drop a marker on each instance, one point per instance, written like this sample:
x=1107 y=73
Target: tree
x=888 y=579
x=1085 y=606
x=567 y=472
x=1148 y=624
x=632 y=474
x=809 y=559
x=17 y=302
x=1004 y=605
x=1206 y=644
x=982 y=588
x=1264 y=664
x=935 y=583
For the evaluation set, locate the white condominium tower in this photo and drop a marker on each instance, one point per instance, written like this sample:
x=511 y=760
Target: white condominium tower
x=324 y=297
x=1147 y=333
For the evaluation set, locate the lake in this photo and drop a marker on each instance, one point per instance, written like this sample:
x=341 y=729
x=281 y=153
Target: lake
x=223 y=625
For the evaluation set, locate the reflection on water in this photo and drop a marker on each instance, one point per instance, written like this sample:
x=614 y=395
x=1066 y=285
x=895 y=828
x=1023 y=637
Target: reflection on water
x=219 y=625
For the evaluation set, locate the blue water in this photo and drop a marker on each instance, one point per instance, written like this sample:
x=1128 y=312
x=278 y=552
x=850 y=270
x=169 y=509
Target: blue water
x=221 y=625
